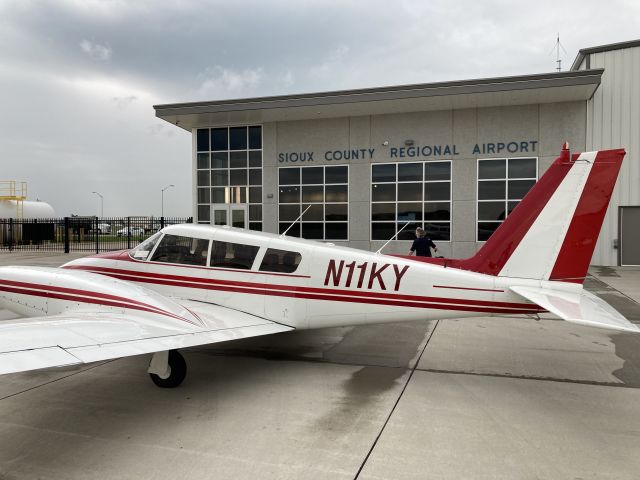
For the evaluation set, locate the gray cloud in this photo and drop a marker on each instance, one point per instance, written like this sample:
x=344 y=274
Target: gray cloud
x=78 y=78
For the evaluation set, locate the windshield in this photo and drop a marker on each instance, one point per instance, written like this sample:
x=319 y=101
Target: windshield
x=142 y=251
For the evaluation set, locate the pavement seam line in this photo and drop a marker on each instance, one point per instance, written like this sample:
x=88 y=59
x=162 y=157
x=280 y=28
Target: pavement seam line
x=58 y=379
x=393 y=409
x=523 y=377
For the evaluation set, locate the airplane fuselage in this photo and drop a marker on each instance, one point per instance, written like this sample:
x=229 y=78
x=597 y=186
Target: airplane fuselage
x=331 y=285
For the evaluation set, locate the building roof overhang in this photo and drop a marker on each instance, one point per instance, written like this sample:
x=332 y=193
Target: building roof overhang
x=602 y=48
x=486 y=92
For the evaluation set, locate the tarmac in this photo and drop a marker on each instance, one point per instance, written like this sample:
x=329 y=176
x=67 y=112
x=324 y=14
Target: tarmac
x=485 y=398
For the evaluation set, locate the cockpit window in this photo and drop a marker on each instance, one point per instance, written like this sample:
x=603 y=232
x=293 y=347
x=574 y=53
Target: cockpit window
x=182 y=250
x=280 y=261
x=232 y=255
x=142 y=251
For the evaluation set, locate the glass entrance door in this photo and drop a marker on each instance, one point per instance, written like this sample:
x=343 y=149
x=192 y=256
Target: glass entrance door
x=232 y=214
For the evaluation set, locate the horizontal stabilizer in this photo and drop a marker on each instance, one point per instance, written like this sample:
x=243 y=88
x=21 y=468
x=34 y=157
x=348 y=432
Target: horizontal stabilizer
x=581 y=307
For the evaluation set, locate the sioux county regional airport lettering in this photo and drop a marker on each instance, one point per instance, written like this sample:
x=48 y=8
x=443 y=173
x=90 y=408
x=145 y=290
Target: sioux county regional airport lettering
x=418 y=151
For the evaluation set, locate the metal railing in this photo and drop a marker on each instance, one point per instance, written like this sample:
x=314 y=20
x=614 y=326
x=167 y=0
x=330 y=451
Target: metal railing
x=80 y=234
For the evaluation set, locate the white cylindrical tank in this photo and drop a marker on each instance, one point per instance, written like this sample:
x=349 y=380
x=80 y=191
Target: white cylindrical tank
x=30 y=209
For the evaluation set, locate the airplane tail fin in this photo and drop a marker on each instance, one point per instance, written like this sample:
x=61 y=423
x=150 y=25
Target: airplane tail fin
x=552 y=232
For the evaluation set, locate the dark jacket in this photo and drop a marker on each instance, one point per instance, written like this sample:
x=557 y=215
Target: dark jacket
x=422 y=246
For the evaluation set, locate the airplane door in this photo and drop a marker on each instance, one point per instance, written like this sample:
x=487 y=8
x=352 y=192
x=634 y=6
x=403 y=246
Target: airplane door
x=284 y=282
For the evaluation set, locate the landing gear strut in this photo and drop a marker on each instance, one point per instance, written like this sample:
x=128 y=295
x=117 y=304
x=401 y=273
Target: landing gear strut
x=167 y=369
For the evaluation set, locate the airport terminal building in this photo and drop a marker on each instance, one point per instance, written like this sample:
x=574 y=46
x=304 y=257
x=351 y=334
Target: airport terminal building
x=355 y=167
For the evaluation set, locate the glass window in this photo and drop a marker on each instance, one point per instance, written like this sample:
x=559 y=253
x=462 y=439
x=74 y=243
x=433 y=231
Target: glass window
x=202 y=140
x=336 y=193
x=437 y=171
x=383 y=231
x=522 y=168
x=203 y=178
x=336 y=212
x=410 y=172
x=255 y=213
x=326 y=189
x=218 y=195
x=313 y=175
x=220 y=178
x=142 y=251
x=383 y=192
x=410 y=192
x=203 y=160
x=409 y=211
x=238 y=177
x=232 y=255
x=502 y=183
x=312 y=212
x=219 y=139
x=418 y=196
x=182 y=250
x=220 y=160
x=289 y=176
x=255 y=176
x=336 y=231
x=437 y=211
x=228 y=152
x=313 y=230
x=255 y=138
x=289 y=213
x=313 y=193
x=289 y=194
x=238 y=138
x=280 y=261
x=204 y=214
x=255 y=194
x=203 y=195
x=238 y=160
x=491 y=168
x=383 y=173
x=336 y=174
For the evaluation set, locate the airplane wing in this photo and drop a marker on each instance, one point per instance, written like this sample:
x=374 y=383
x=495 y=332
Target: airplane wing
x=86 y=336
x=582 y=307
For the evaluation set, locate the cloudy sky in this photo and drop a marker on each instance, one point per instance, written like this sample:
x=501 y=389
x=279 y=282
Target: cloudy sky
x=78 y=78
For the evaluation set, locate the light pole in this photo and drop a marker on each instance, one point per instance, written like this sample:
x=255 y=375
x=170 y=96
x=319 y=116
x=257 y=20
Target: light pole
x=165 y=188
x=101 y=204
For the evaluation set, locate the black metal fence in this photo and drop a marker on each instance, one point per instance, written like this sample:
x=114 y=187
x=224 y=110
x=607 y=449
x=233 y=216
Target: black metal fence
x=79 y=234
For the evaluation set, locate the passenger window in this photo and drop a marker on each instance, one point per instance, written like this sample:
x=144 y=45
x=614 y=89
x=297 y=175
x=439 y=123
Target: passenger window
x=280 y=261
x=233 y=255
x=142 y=251
x=182 y=250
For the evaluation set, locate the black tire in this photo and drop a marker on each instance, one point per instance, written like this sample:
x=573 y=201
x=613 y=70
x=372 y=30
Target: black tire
x=178 y=371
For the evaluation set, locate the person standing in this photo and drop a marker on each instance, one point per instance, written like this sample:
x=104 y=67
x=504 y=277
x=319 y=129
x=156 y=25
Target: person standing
x=422 y=245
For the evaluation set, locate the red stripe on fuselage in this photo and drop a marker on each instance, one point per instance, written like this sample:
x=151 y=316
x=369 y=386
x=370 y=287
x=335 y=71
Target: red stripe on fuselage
x=378 y=298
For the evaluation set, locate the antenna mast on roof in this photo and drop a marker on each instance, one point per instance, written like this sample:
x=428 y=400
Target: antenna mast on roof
x=557 y=48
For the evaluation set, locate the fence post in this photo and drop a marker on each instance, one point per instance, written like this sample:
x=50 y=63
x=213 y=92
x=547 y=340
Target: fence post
x=96 y=232
x=10 y=234
x=161 y=223
x=129 y=233
x=66 y=235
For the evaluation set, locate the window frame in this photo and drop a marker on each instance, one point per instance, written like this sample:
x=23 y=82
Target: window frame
x=164 y=235
x=422 y=202
x=505 y=179
x=324 y=221
x=228 y=169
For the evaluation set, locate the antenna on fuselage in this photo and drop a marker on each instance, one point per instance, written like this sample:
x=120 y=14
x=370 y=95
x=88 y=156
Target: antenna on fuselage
x=394 y=236
x=295 y=221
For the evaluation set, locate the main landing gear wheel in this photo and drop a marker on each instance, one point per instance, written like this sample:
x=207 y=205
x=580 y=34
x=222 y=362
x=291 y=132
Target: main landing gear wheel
x=167 y=369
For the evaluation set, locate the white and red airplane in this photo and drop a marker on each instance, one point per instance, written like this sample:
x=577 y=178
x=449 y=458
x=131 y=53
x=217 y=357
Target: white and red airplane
x=193 y=284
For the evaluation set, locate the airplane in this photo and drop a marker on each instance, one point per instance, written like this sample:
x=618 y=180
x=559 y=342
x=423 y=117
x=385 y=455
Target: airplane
x=191 y=285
